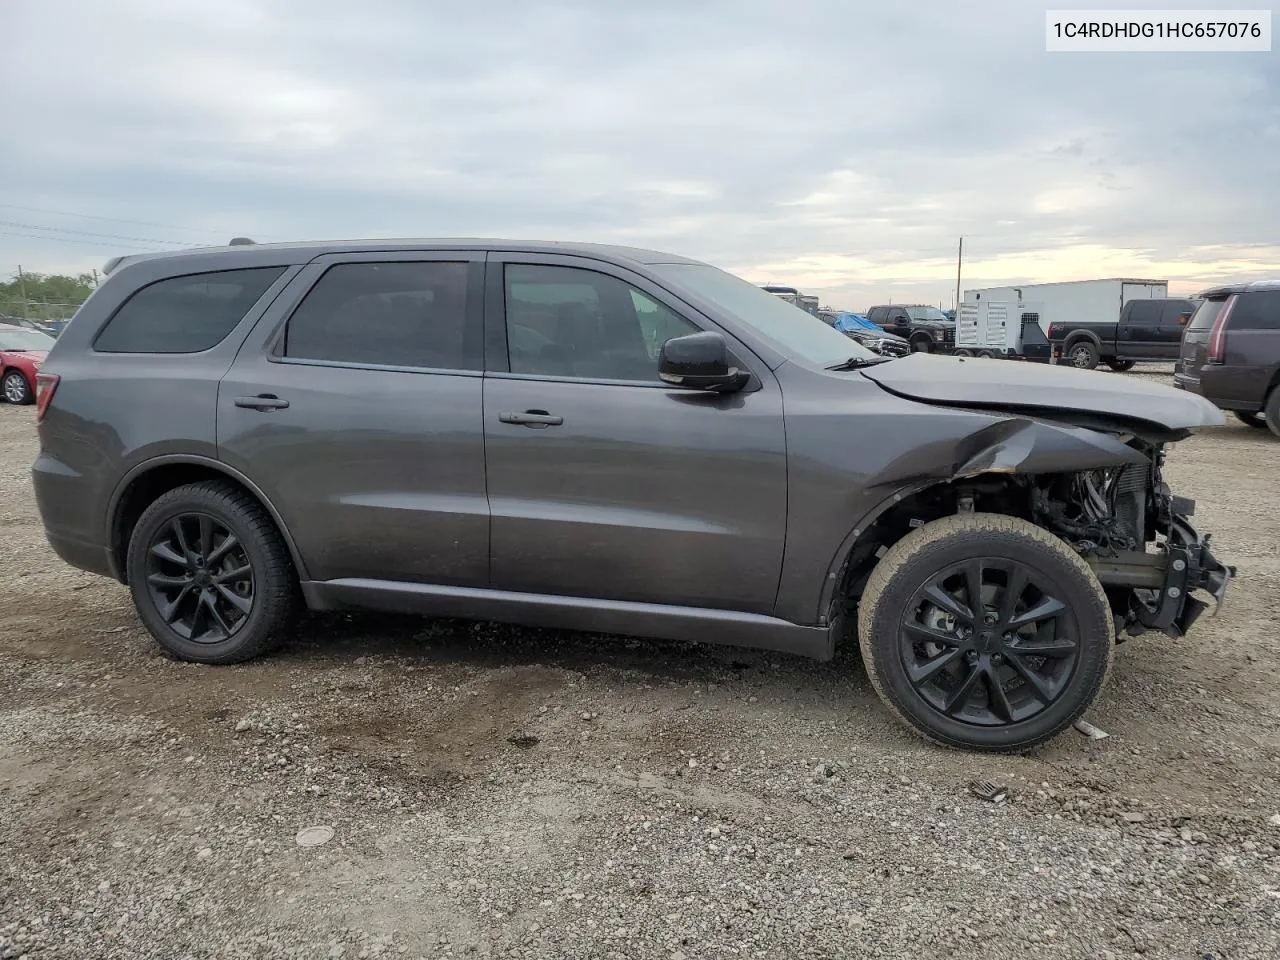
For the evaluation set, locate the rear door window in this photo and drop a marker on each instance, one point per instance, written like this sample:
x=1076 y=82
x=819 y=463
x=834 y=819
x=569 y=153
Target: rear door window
x=185 y=314
x=1259 y=310
x=395 y=314
x=1144 y=312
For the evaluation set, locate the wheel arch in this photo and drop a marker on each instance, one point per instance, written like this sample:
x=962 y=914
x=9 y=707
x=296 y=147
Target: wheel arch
x=152 y=478
x=1075 y=336
x=999 y=462
x=12 y=368
x=921 y=336
x=847 y=566
x=1274 y=384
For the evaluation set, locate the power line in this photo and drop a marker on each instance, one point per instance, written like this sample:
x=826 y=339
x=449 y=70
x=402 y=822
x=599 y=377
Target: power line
x=90 y=233
x=90 y=216
x=91 y=243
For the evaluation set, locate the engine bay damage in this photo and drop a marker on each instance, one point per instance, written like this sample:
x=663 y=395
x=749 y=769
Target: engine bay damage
x=1135 y=533
x=1098 y=487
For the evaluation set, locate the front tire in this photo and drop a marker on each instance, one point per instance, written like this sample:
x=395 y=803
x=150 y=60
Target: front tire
x=1120 y=366
x=1015 y=675
x=210 y=576
x=921 y=345
x=1083 y=355
x=15 y=388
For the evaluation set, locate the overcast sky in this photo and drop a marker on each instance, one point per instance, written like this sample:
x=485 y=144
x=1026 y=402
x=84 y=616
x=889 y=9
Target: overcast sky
x=839 y=146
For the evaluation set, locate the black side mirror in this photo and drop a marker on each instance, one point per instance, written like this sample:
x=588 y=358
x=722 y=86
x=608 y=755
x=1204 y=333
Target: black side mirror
x=700 y=361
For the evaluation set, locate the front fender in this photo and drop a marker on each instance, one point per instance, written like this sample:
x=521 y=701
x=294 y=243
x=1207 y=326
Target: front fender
x=1008 y=446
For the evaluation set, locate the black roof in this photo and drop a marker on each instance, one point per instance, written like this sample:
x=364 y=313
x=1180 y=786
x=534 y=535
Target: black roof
x=1230 y=288
x=308 y=250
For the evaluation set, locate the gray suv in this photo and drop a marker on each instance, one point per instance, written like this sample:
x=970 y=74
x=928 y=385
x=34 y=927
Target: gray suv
x=617 y=441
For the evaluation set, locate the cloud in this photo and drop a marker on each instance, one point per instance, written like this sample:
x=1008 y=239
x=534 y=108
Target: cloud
x=843 y=147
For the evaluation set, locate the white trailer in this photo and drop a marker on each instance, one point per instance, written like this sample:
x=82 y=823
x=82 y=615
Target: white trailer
x=1076 y=301
x=998 y=322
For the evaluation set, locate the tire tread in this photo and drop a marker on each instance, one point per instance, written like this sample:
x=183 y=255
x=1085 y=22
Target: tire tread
x=920 y=540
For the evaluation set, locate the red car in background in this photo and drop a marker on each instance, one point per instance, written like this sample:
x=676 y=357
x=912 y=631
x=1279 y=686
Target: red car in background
x=22 y=351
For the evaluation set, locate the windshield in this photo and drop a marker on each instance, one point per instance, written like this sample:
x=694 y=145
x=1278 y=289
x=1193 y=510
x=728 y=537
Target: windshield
x=19 y=341
x=795 y=332
x=925 y=313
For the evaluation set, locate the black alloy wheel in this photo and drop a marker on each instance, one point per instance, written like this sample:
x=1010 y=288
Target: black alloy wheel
x=210 y=574
x=200 y=578
x=986 y=632
x=986 y=642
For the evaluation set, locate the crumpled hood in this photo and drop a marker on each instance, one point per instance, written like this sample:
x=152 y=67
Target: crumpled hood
x=1009 y=385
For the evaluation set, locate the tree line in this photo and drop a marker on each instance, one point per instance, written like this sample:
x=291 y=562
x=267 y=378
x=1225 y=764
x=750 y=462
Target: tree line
x=44 y=296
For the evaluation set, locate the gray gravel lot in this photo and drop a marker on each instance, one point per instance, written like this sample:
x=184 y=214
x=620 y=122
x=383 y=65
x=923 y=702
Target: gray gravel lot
x=495 y=791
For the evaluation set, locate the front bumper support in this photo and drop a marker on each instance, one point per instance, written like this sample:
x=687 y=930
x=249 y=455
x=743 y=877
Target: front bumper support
x=1162 y=583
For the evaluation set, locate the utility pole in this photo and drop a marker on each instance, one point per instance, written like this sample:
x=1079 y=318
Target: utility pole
x=95 y=278
x=22 y=287
x=959 y=261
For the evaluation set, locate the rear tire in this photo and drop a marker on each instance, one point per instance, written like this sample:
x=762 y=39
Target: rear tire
x=986 y=690
x=15 y=389
x=963 y=353
x=1120 y=366
x=210 y=575
x=1083 y=355
x=1273 y=411
x=1256 y=420
x=985 y=354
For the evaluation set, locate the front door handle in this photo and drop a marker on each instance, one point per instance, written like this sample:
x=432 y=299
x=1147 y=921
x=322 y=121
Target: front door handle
x=532 y=418
x=263 y=401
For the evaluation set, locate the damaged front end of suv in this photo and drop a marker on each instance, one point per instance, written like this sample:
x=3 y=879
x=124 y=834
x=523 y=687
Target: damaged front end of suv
x=1138 y=538
x=1088 y=468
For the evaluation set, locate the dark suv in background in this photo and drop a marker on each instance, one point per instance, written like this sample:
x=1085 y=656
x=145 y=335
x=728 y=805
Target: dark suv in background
x=596 y=438
x=1231 y=352
x=927 y=328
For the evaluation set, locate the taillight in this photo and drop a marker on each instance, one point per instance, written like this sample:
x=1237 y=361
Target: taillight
x=1054 y=330
x=1218 y=338
x=46 y=384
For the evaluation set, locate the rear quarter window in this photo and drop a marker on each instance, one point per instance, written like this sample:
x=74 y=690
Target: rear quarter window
x=1206 y=314
x=1256 y=311
x=185 y=314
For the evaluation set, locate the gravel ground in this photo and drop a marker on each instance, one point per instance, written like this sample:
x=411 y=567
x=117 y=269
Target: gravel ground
x=495 y=791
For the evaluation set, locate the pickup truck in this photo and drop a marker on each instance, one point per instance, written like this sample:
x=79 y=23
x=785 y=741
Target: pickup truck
x=926 y=328
x=1147 y=330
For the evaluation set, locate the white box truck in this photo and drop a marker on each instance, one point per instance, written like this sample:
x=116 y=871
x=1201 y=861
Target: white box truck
x=1068 y=303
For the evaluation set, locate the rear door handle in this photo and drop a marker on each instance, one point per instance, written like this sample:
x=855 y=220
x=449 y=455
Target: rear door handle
x=263 y=401
x=532 y=418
